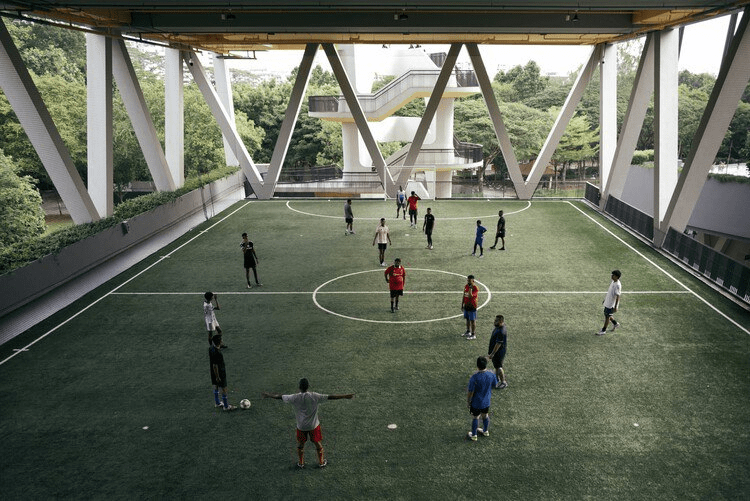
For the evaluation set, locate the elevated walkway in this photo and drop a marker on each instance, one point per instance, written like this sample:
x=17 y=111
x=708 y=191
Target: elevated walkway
x=394 y=96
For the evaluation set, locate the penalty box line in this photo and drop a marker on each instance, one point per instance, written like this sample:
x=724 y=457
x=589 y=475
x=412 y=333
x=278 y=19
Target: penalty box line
x=162 y=258
x=652 y=263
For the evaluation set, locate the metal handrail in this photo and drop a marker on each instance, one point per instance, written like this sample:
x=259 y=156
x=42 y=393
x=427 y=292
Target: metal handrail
x=331 y=104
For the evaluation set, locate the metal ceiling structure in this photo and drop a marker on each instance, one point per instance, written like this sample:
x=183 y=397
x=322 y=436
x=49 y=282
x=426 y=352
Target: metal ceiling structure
x=243 y=25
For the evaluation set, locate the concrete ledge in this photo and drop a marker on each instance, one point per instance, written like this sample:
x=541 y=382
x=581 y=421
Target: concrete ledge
x=25 y=284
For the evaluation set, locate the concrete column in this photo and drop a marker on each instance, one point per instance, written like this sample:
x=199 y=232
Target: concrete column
x=174 y=115
x=665 y=125
x=99 y=122
x=730 y=84
x=24 y=98
x=140 y=117
x=607 y=112
x=224 y=90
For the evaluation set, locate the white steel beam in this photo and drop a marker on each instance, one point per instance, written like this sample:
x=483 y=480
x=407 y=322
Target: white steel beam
x=27 y=103
x=174 y=115
x=359 y=117
x=607 y=112
x=224 y=90
x=563 y=119
x=733 y=77
x=290 y=120
x=99 y=122
x=640 y=97
x=140 y=117
x=225 y=124
x=429 y=114
x=496 y=117
x=666 y=56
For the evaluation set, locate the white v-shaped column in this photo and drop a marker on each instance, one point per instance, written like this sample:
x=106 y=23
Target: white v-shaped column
x=290 y=120
x=140 y=117
x=36 y=121
x=496 y=117
x=222 y=119
x=640 y=96
x=359 y=117
x=731 y=81
x=429 y=114
x=563 y=119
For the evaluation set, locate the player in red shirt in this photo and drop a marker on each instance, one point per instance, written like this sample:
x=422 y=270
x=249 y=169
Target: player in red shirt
x=395 y=276
x=412 y=201
x=469 y=307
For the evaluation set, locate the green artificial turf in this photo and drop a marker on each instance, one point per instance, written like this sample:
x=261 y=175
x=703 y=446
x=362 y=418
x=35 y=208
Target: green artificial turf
x=116 y=402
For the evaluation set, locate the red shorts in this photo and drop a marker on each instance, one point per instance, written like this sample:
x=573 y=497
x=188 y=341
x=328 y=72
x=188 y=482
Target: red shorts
x=315 y=435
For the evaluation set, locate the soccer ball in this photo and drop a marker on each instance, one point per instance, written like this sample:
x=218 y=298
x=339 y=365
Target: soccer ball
x=245 y=403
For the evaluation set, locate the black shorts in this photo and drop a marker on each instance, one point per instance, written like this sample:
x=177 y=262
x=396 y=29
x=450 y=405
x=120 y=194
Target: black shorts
x=475 y=412
x=428 y=231
x=497 y=360
x=382 y=246
x=349 y=220
x=413 y=212
x=397 y=293
x=222 y=383
x=500 y=234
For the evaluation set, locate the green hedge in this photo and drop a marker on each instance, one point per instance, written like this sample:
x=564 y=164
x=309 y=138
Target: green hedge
x=640 y=157
x=22 y=253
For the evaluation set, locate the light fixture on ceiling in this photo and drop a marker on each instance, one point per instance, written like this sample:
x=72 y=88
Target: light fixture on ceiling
x=400 y=16
x=575 y=17
x=228 y=17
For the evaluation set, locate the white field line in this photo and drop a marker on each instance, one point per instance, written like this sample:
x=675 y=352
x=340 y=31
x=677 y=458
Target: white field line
x=662 y=270
x=122 y=284
x=528 y=204
x=457 y=292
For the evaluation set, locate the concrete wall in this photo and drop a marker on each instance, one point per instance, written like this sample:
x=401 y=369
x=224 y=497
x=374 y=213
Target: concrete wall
x=32 y=281
x=722 y=208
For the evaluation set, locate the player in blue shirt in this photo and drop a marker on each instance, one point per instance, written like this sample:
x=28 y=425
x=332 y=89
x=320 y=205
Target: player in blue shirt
x=479 y=239
x=479 y=395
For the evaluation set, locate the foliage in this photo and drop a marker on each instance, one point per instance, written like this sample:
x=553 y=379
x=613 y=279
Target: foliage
x=21 y=214
x=23 y=252
x=642 y=156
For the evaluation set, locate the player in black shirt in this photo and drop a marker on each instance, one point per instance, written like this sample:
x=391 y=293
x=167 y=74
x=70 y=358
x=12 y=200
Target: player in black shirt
x=427 y=226
x=500 y=231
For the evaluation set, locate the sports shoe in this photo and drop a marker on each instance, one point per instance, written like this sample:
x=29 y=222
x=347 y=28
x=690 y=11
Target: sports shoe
x=502 y=248
x=300 y=465
x=323 y=464
x=219 y=405
x=615 y=326
x=346 y=232
x=467 y=333
x=230 y=408
x=427 y=247
x=249 y=286
x=258 y=284
x=353 y=232
x=472 y=437
x=601 y=333
x=430 y=247
x=382 y=264
x=481 y=255
x=480 y=431
x=397 y=307
x=493 y=247
x=473 y=253
x=473 y=336
x=502 y=385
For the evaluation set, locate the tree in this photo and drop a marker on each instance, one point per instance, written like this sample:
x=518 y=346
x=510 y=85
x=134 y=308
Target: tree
x=579 y=144
x=21 y=214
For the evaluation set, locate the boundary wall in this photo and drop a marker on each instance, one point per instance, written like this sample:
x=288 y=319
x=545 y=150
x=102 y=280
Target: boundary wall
x=39 y=277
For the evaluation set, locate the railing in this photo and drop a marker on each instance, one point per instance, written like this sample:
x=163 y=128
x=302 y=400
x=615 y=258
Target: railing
x=631 y=217
x=311 y=175
x=729 y=274
x=470 y=151
x=370 y=103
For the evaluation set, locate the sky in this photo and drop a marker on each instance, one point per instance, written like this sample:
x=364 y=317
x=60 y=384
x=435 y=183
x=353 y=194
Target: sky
x=703 y=44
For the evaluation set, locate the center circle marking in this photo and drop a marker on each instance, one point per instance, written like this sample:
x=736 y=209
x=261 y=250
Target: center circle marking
x=315 y=299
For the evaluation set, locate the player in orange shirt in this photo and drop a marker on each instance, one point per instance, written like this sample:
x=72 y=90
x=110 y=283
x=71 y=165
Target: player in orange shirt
x=469 y=307
x=395 y=276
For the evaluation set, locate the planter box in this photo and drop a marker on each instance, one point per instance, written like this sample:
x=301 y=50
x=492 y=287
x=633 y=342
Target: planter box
x=25 y=284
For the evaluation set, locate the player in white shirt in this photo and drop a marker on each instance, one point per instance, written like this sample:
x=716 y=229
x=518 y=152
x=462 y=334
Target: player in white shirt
x=382 y=238
x=306 y=412
x=611 y=303
x=211 y=303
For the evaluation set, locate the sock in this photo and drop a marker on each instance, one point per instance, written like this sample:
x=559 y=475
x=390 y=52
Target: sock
x=486 y=423
x=216 y=396
x=474 y=426
x=321 y=458
x=226 y=403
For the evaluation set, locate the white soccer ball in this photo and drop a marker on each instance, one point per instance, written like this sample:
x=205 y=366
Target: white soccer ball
x=245 y=403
